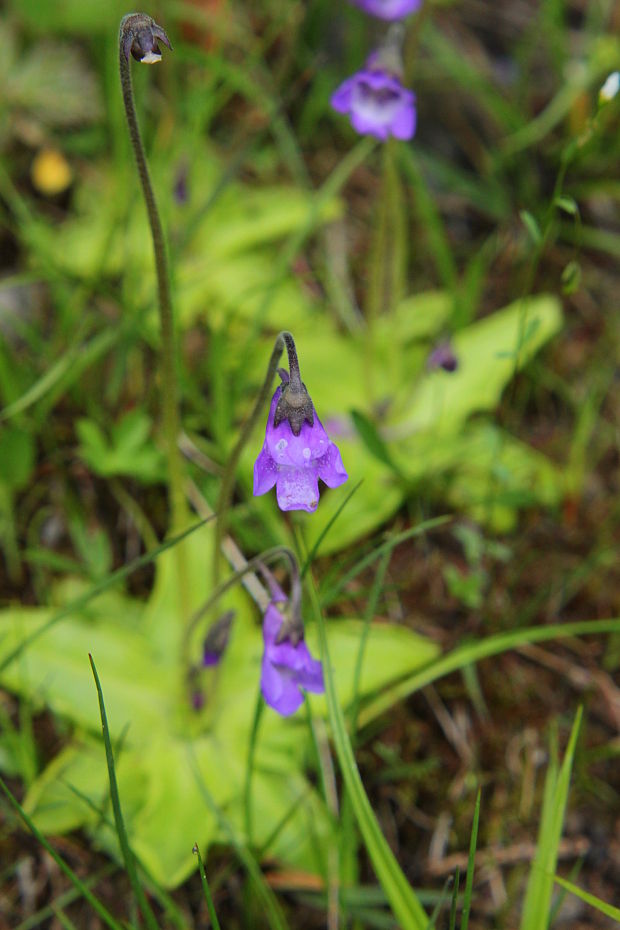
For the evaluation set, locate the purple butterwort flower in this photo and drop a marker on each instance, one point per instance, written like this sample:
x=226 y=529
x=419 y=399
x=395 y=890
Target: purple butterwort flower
x=443 y=356
x=286 y=668
x=377 y=104
x=294 y=463
x=389 y=9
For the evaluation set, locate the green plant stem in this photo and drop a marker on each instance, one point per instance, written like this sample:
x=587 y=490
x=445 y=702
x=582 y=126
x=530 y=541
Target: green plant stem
x=247 y=792
x=169 y=394
x=283 y=340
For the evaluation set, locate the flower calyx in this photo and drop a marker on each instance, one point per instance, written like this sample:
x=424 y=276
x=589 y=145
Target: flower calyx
x=140 y=35
x=292 y=628
x=294 y=405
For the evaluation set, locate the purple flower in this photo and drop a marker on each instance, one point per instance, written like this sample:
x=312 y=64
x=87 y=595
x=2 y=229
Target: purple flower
x=443 y=356
x=377 y=104
x=388 y=9
x=294 y=463
x=286 y=668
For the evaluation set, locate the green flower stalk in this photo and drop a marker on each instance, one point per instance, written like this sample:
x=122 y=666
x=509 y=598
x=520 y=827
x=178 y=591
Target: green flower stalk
x=139 y=37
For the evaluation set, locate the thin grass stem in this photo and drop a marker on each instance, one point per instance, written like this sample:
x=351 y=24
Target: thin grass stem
x=119 y=822
x=207 y=891
x=80 y=886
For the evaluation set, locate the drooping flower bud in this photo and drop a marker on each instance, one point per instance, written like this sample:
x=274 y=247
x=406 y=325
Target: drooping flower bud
x=217 y=638
x=443 y=356
x=140 y=36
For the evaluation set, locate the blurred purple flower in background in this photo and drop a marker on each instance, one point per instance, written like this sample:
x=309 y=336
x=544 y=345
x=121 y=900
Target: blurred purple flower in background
x=443 y=356
x=286 y=668
x=294 y=463
x=388 y=9
x=377 y=104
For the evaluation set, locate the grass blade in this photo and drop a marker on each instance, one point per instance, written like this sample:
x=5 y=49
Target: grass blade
x=403 y=900
x=121 y=831
x=440 y=903
x=469 y=881
x=540 y=883
x=455 y=899
x=332 y=593
x=79 y=885
x=207 y=891
x=473 y=652
x=247 y=792
x=327 y=528
x=275 y=916
x=608 y=909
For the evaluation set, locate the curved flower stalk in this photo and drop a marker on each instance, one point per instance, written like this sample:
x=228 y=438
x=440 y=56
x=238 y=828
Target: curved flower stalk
x=139 y=37
x=388 y=9
x=297 y=451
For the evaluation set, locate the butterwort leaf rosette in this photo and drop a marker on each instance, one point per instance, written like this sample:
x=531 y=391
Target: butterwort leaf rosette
x=389 y=9
x=288 y=669
x=294 y=456
x=377 y=104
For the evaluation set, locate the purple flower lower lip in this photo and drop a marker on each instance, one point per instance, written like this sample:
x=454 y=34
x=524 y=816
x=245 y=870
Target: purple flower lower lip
x=388 y=9
x=287 y=671
x=295 y=463
x=377 y=104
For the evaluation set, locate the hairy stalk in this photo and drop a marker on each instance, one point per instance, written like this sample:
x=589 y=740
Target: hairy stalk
x=283 y=340
x=131 y=25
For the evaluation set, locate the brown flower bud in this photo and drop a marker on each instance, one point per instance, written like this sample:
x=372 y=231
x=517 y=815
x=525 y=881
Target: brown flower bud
x=140 y=36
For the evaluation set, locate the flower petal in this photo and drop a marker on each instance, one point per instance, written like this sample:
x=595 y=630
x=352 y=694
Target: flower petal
x=297 y=489
x=330 y=468
x=341 y=98
x=368 y=127
x=265 y=473
x=310 y=676
x=388 y=9
x=403 y=124
x=279 y=690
